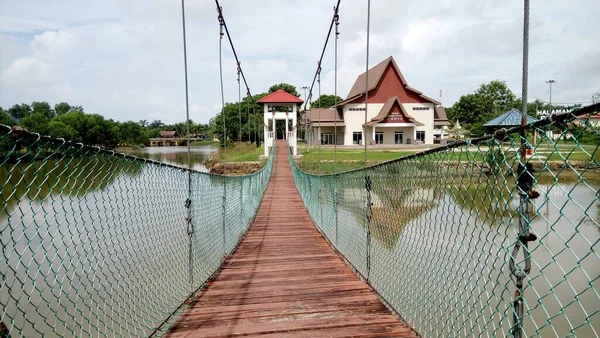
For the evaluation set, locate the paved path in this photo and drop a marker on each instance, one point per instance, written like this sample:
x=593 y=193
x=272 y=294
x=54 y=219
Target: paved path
x=286 y=281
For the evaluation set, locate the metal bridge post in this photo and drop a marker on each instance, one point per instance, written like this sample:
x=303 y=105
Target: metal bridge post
x=526 y=192
x=336 y=201
x=369 y=214
x=224 y=214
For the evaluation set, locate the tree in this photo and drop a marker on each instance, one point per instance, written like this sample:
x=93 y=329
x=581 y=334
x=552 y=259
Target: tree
x=58 y=129
x=487 y=102
x=156 y=124
x=5 y=119
x=286 y=87
x=131 y=133
x=62 y=108
x=36 y=122
x=596 y=97
x=20 y=110
x=143 y=123
x=326 y=101
x=43 y=108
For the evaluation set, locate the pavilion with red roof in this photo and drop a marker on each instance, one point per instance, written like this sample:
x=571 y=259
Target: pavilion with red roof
x=280 y=100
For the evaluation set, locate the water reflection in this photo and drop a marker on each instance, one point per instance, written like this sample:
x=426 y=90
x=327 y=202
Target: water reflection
x=447 y=246
x=177 y=155
x=74 y=177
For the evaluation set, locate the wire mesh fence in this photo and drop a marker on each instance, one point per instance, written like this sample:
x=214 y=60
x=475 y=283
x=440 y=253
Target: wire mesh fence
x=97 y=243
x=446 y=236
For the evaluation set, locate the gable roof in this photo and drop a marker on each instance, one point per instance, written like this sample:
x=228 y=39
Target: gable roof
x=511 y=118
x=324 y=117
x=385 y=110
x=375 y=74
x=280 y=96
x=439 y=117
x=167 y=133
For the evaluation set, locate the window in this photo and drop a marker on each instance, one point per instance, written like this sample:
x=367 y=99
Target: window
x=420 y=108
x=421 y=136
x=398 y=137
x=378 y=137
x=326 y=138
x=356 y=109
x=357 y=137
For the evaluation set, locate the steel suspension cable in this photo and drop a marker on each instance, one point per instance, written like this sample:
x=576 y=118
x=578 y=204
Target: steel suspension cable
x=369 y=205
x=337 y=33
x=189 y=156
x=525 y=183
x=367 y=77
x=221 y=24
x=237 y=60
x=239 y=103
x=337 y=6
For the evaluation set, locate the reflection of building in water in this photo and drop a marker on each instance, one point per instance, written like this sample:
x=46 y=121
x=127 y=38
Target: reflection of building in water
x=392 y=209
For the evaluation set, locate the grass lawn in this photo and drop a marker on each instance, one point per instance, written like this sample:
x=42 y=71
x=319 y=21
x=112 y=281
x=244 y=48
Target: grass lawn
x=327 y=154
x=204 y=143
x=240 y=152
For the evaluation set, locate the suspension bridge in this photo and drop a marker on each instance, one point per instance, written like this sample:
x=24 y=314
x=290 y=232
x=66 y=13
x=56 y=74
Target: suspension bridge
x=471 y=239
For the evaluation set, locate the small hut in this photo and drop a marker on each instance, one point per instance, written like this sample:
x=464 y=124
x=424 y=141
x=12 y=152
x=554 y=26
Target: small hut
x=511 y=118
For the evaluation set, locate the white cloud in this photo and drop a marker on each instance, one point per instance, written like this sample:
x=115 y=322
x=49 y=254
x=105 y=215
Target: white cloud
x=123 y=59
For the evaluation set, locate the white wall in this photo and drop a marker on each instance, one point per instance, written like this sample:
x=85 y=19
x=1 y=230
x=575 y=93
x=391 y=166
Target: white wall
x=423 y=116
x=355 y=119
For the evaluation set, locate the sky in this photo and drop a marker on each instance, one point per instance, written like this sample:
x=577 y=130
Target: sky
x=124 y=58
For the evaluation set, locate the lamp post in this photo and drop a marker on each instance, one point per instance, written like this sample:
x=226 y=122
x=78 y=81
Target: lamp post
x=303 y=117
x=550 y=82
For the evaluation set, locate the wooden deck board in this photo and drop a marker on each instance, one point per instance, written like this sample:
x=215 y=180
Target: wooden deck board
x=284 y=280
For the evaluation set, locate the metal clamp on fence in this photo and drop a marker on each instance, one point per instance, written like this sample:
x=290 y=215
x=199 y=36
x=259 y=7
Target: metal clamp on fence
x=525 y=184
x=188 y=219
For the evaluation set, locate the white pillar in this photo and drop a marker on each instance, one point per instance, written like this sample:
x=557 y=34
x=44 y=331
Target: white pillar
x=266 y=143
x=274 y=130
x=373 y=134
x=285 y=137
x=414 y=140
x=294 y=127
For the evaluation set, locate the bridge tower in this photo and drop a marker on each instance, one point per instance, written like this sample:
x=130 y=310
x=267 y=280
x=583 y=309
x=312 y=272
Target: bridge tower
x=280 y=105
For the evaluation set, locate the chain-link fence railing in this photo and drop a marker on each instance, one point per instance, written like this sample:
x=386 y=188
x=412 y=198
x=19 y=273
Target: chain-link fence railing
x=96 y=243
x=469 y=240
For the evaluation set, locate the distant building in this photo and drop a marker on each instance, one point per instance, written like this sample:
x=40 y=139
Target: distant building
x=167 y=134
x=397 y=113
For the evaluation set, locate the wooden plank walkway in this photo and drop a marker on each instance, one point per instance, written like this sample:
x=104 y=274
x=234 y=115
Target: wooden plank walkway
x=286 y=281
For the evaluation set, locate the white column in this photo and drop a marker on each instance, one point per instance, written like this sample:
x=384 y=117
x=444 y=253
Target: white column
x=414 y=140
x=266 y=143
x=274 y=130
x=373 y=133
x=285 y=137
x=295 y=128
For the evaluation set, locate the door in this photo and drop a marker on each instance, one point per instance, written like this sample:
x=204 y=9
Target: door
x=398 y=137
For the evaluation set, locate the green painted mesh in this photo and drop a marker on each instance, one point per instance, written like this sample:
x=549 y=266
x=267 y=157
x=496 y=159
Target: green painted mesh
x=434 y=233
x=96 y=243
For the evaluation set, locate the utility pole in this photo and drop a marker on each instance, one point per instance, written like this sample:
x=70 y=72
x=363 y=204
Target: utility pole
x=550 y=82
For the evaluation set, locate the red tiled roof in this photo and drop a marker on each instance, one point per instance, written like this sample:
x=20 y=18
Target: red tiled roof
x=280 y=96
x=375 y=75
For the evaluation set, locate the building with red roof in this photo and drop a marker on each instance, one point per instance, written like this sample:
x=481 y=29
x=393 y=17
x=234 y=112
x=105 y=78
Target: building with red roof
x=397 y=113
x=280 y=106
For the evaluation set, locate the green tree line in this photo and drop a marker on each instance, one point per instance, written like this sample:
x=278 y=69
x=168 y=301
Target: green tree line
x=73 y=124
x=489 y=101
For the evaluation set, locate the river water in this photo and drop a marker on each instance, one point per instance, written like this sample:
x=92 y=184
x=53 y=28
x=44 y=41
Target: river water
x=442 y=261
x=177 y=155
x=73 y=278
